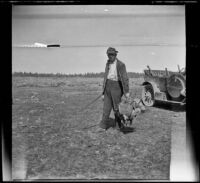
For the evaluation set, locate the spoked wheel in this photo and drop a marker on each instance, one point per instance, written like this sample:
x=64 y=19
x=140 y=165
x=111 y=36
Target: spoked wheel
x=148 y=95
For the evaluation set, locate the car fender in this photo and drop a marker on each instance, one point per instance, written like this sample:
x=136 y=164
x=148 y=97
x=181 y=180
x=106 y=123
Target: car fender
x=153 y=84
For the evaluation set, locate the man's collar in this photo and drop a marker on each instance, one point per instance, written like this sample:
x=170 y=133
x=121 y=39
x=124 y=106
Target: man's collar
x=108 y=61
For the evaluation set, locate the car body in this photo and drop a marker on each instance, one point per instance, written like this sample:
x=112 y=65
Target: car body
x=163 y=85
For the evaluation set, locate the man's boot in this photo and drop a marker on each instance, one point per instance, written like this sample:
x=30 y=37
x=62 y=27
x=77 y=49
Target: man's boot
x=118 y=120
x=103 y=125
x=104 y=122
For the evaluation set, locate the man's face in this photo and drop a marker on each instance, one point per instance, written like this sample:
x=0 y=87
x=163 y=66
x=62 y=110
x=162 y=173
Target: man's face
x=112 y=57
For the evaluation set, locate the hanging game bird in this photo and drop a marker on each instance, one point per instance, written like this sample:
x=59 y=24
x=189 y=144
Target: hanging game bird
x=129 y=108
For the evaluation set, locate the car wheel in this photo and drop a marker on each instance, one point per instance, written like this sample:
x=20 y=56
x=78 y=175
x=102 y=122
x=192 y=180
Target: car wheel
x=148 y=95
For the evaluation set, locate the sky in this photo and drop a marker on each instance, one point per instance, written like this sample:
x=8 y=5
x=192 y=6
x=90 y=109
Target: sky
x=143 y=35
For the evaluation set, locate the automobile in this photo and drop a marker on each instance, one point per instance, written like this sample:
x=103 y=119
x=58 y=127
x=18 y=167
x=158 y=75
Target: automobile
x=164 y=85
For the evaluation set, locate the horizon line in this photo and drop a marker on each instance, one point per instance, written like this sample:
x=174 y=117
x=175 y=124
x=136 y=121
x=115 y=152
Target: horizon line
x=106 y=45
x=54 y=73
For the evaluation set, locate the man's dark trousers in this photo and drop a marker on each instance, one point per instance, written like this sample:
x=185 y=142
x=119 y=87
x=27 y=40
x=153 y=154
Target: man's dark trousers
x=112 y=97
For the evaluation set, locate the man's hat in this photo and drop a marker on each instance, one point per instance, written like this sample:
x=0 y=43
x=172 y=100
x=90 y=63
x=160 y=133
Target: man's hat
x=111 y=50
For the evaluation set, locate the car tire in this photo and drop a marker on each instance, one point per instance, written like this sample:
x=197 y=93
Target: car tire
x=148 y=95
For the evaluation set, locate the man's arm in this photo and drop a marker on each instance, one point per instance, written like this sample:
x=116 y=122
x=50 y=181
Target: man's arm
x=125 y=81
x=104 y=80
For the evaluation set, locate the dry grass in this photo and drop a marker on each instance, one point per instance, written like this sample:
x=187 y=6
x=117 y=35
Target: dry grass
x=48 y=131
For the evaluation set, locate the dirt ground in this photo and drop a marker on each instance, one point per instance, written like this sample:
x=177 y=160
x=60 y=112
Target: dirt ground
x=53 y=139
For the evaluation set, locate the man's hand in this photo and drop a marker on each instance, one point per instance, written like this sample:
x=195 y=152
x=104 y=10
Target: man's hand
x=127 y=95
x=102 y=97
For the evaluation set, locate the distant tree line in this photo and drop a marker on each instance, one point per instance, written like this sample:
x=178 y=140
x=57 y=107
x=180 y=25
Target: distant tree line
x=88 y=75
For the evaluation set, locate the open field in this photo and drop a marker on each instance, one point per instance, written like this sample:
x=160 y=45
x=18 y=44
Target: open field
x=49 y=138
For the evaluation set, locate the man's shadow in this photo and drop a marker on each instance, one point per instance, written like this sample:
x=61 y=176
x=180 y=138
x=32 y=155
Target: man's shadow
x=127 y=129
x=111 y=124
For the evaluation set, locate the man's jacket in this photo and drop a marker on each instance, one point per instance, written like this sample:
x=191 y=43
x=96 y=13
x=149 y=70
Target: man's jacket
x=121 y=74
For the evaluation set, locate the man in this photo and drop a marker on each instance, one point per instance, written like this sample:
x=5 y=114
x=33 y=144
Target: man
x=115 y=85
